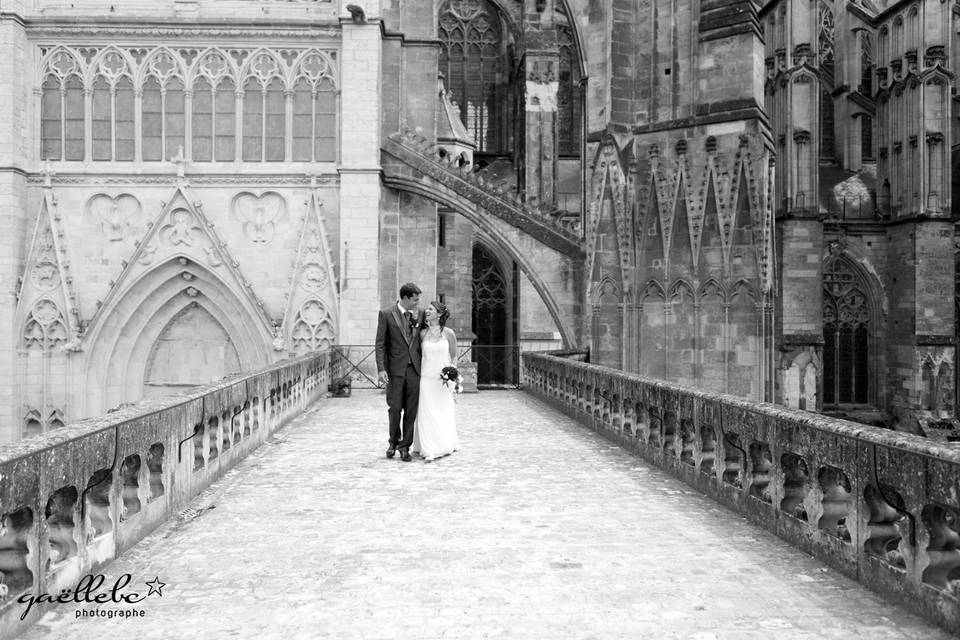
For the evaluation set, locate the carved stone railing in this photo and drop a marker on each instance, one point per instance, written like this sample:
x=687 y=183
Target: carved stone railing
x=74 y=499
x=881 y=507
x=493 y=196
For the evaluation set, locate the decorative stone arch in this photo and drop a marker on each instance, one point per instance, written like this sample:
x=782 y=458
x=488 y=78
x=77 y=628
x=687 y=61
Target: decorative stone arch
x=651 y=289
x=680 y=285
x=94 y=68
x=743 y=286
x=606 y=284
x=52 y=63
x=804 y=75
x=247 y=70
x=146 y=67
x=43 y=326
x=506 y=246
x=609 y=175
x=119 y=346
x=609 y=333
x=299 y=70
x=712 y=285
x=651 y=299
x=195 y=71
x=141 y=371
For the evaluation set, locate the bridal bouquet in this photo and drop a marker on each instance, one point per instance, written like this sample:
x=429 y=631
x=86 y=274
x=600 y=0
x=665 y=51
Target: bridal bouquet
x=450 y=374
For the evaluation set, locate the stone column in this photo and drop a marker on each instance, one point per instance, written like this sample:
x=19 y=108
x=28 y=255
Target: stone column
x=360 y=99
x=799 y=314
x=541 y=70
x=455 y=273
x=921 y=321
x=16 y=97
x=455 y=283
x=540 y=157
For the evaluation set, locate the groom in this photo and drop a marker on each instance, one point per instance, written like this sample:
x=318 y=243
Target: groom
x=398 y=366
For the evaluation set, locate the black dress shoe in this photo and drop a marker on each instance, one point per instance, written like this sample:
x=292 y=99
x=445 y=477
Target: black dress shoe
x=405 y=455
x=391 y=450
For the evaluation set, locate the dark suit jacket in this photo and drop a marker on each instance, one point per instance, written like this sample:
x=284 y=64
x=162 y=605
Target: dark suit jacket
x=395 y=346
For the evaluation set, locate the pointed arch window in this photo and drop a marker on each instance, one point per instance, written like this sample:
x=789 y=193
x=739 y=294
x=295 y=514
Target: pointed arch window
x=825 y=32
x=315 y=111
x=473 y=61
x=113 y=105
x=112 y=110
x=825 y=42
x=264 y=112
x=214 y=114
x=569 y=92
x=62 y=108
x=846 y=335
x=866 y=63
x=74 y=108
x=163 y=109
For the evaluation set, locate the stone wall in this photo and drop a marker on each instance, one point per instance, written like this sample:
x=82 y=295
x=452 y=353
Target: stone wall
x=679 y=240
x=82 y=496
x=14 y=142
x=873 y=504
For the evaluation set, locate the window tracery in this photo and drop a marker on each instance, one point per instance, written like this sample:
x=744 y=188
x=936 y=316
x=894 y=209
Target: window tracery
x=846 y=326
x=45 y=327
x=62 y=107
x=473 y=62
x=237 y=102
x=569 y=106
x=826 y=33
x=313 y=329
x=112 y=108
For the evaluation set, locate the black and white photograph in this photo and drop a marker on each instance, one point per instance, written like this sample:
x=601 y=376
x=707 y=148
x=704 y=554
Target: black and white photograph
x=479 y=319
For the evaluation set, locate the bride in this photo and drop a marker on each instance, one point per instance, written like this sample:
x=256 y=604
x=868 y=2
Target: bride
x=435 y=433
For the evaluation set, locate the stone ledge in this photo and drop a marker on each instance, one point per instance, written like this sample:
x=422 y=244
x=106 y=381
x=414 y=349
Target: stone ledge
x=703 y=438
x=231 y=417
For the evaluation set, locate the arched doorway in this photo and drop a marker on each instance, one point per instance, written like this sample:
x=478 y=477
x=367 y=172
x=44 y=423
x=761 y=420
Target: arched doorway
x=494 y=318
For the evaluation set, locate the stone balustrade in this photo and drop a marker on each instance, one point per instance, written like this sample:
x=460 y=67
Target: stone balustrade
x=74 y=499
x=880 y=506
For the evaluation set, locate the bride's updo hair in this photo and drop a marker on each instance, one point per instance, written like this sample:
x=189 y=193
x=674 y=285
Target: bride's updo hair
x=442 y=313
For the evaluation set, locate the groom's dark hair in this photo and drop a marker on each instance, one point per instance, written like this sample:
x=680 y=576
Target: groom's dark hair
x=409 y=290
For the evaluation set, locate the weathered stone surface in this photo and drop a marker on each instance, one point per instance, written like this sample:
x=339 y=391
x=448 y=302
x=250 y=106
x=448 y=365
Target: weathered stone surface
x=535 y=528
x=870 y=502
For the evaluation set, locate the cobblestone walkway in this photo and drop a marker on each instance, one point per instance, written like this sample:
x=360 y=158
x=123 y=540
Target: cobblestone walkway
x=537 y=529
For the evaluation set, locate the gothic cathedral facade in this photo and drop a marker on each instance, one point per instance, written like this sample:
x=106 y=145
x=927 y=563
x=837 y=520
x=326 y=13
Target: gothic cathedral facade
x=748 y=197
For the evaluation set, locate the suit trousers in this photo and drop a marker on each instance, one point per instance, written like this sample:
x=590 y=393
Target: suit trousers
x=403 y=396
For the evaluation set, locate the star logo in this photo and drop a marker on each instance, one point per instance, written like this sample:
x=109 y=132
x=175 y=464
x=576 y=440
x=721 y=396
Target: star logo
x=155 y=587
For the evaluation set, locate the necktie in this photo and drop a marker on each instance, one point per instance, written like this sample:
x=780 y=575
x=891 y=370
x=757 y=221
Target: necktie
x=408 y=316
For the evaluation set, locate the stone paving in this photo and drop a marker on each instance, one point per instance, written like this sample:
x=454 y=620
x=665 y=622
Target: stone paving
x=537 y=529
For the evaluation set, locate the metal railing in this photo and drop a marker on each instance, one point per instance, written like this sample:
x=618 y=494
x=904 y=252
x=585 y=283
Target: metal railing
x=498 y=365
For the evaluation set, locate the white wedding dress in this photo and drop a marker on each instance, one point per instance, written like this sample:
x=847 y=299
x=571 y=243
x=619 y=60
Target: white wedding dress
x=435 y=432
